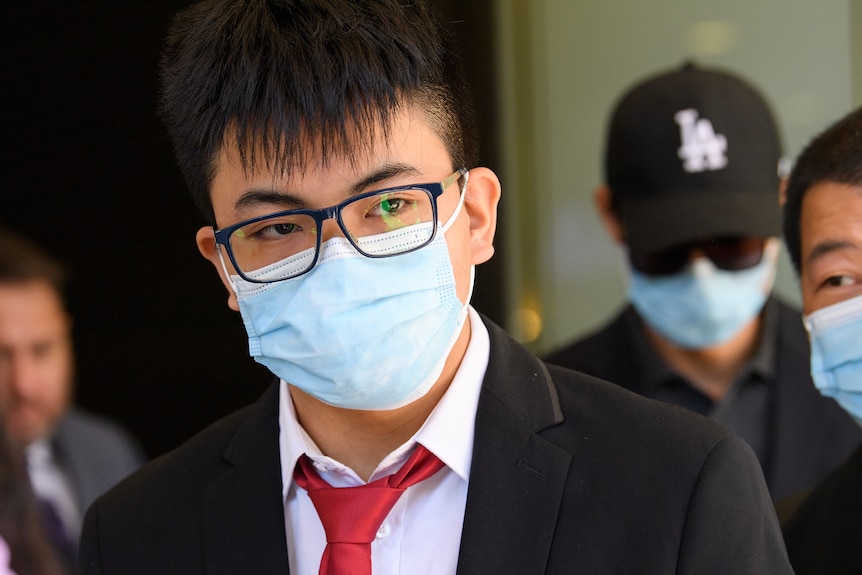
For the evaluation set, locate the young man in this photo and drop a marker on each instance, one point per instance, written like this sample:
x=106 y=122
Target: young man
x=72 y=456
x=692 y=198
x=332 y=143
x=823 y=233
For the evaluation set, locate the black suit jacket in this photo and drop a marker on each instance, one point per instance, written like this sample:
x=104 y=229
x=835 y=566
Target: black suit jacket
x=823 y=526
x=809 y=434
x=569 y=475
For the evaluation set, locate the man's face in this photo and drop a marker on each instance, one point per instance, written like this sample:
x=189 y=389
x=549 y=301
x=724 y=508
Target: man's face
x=831 y=244
x=35 y=359
x=411 y=154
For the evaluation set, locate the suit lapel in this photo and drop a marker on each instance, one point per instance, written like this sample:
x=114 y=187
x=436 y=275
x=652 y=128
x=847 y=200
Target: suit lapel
x=66 y=447
x=517 y=477
x=243 y=512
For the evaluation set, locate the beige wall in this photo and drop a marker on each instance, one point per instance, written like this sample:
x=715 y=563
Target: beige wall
x=564 y=62
x=856 y=50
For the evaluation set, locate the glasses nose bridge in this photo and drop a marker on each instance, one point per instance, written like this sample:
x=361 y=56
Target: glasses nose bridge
x=331 y=213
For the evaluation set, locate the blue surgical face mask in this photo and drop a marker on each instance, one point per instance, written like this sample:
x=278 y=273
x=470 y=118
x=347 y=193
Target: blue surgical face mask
x=357 y=332
x=836 y=353
x=702 y=305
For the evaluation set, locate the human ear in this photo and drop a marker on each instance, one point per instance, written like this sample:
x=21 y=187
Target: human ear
x=782 y=192
x=603 y=198
x=207 y=246
x=480 y=202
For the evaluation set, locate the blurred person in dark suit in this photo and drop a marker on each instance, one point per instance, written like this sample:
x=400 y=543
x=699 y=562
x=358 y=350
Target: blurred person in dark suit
x=72 y=456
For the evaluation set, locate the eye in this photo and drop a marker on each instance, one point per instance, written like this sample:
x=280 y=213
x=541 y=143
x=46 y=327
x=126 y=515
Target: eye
x=44 y=349
x=269 y=230
x=281 y=229
x=839 y=281
x=391 y=205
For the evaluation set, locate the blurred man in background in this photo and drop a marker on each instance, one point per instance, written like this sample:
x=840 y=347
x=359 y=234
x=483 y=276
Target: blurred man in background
x=691 y=195
x=72 y=456
x=823 y=234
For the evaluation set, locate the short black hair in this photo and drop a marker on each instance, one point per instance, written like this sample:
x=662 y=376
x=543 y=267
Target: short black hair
x=22 y=261
x=278 y=74
x=835 y=155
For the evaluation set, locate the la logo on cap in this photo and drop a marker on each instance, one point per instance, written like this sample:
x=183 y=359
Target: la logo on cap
x=702 y=149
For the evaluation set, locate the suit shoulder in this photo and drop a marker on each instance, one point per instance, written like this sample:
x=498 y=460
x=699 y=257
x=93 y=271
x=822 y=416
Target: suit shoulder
x=182 y=470
x=616 y=414
x=825 y=517
x=590 y=352
x=82 y=430
x=85 y=423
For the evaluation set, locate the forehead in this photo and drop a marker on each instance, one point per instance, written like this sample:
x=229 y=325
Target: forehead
x=30 y=310
x=830 y=231
x=831 y=214
x=322 y=179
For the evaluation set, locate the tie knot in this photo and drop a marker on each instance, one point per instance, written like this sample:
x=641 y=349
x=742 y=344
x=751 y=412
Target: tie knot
x=351 y=516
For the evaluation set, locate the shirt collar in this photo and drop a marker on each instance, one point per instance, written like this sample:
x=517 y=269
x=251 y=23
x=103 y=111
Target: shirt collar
x=448 y=432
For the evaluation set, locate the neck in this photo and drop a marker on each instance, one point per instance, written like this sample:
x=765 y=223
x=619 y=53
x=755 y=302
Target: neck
x=711 y=370
x=361 y=439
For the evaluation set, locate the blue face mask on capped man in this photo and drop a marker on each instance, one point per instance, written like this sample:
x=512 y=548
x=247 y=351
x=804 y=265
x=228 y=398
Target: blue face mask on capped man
x=836 y=353
x=702 y=305
x=358 y=332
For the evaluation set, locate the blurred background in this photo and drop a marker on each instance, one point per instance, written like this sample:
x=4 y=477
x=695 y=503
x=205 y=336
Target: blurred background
x=564 y=65
x=90 y=175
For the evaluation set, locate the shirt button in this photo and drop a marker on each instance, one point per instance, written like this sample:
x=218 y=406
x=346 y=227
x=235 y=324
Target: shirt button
x=384 y=530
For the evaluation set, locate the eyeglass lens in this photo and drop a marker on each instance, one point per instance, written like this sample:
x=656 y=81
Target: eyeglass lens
x=382 y=223
x=730 y=253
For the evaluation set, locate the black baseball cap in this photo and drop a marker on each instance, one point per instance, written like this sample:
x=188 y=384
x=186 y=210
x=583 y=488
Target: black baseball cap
x=691 y=154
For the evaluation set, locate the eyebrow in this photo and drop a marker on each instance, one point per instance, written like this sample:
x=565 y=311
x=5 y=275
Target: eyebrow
x=827 y=247
x=257 y=196
x=387 y=172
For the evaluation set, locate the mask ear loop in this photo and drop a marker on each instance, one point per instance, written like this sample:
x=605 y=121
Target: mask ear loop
x=770 y=253
x=443 y=228
x=227 y=274
x=472 y=283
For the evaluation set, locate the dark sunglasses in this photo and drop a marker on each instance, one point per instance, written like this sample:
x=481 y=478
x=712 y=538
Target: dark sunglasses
x=730 y=253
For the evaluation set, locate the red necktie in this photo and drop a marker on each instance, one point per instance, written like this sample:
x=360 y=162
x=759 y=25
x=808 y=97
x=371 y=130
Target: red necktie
x=351 y=516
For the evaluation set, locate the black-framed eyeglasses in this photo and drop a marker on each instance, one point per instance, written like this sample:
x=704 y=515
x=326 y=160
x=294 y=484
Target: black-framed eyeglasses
x=379 y=224
x=732 y=253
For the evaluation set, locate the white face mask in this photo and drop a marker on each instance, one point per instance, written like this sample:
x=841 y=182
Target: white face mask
x=357 y=332
x=836 y=353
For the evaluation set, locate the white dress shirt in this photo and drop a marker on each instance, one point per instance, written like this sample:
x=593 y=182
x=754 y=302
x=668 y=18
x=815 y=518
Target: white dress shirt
x=50 y=483
x=422 y=533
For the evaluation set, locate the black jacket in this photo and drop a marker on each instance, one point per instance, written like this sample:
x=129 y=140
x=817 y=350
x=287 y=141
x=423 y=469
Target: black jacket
x=809 y=434
x=823 y=526
x=569 y=475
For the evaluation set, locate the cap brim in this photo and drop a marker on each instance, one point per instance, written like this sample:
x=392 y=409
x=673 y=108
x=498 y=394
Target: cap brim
x=660 y=222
